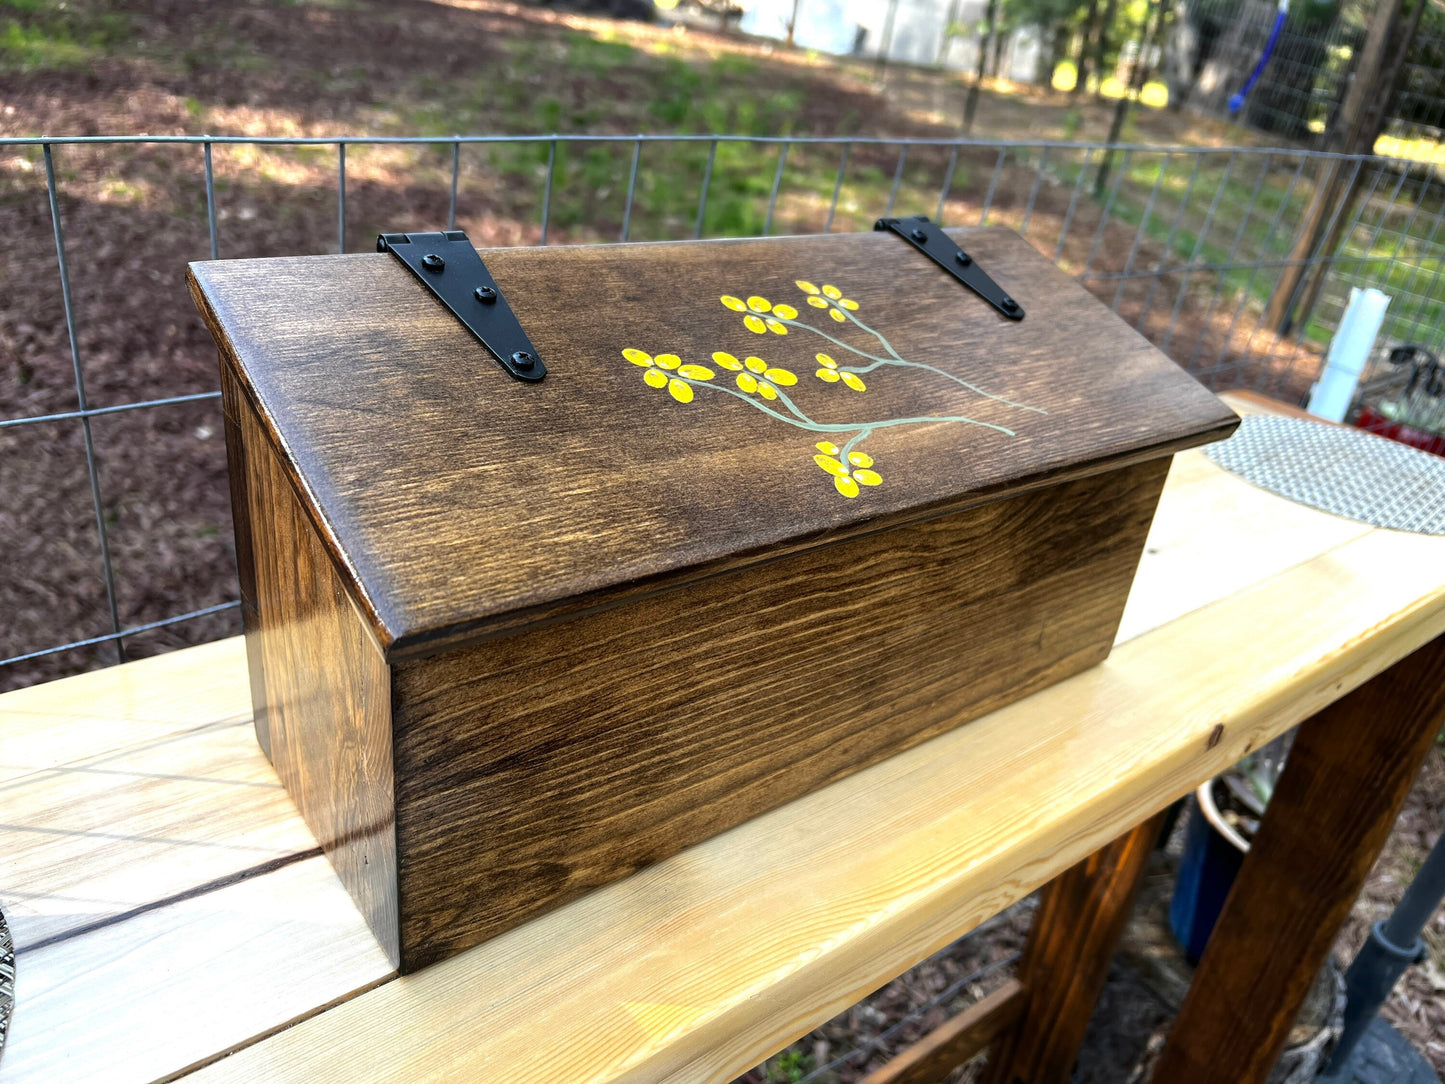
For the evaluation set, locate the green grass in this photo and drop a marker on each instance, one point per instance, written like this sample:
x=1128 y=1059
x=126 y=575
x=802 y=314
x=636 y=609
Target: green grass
x=36 y=35
x=1373 y=253
x=670 y=95
x=789 y=1067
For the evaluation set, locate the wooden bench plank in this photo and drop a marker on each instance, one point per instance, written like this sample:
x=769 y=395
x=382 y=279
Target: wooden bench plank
x=703 y=964
x=964 y=1036
x=122 y=707
x=91 y=840
x=147 y=998
x=1214 y=535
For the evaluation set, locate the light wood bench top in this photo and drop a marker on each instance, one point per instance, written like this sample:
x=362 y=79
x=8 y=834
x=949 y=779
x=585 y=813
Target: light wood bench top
x=169 y=906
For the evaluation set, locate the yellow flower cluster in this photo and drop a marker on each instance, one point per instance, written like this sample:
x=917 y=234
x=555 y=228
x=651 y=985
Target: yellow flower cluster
x=829 y=374
x=849 y=475
x=758 y=309
x=756 y=375
x=828 y=297
x=660 y=370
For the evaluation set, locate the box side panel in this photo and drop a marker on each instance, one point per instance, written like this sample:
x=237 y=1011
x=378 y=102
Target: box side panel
x=533 y=768
x=232 y=405
x=326 y=686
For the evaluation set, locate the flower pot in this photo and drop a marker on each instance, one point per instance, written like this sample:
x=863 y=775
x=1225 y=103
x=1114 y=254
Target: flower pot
x=1213 y=853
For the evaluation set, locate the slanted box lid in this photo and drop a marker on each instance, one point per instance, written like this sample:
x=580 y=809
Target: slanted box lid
x=707 y=405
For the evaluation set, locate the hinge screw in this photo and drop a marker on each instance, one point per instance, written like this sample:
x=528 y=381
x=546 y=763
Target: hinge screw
x=1009 y=304
x=485 y=294
x=963 y=257
x=917 y=234
x=432 y=262
x=523 y=360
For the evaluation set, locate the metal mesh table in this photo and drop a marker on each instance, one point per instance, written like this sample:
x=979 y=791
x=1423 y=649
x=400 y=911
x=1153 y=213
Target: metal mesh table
x=1347 y=472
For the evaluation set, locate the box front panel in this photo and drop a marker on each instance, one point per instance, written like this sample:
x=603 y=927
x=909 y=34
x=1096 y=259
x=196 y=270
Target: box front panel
x=533 y=768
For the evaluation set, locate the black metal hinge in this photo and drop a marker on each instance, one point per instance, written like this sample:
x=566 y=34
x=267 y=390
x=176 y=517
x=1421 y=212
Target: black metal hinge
x=448 y=266
x=941 y=249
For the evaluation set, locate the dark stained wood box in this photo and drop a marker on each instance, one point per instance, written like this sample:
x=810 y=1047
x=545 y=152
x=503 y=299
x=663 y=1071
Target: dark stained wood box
x=509 y=642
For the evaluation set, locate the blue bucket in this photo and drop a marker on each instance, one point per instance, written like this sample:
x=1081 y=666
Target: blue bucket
x=1213 y=853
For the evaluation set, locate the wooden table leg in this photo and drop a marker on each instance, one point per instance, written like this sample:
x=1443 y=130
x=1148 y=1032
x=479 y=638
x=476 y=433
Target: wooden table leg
x=1344 y=783
x=1075 y=931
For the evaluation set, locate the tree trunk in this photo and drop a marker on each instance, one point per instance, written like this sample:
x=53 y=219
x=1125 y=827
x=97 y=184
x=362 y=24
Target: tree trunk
x=1138 y=75
x=1362 y=117
x=945 y=39
x=971 y=102
x=1058 y=52
x=1373 y=116
x=1181 y=55
x=1081 y=64
x=1101 y=46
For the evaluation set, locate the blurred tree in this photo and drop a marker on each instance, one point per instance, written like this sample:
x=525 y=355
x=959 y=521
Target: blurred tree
x=1420 y=95
x=1370 y=100
x=1055 y=21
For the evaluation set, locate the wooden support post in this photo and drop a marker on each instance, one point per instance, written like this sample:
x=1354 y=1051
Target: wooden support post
x=1075 y=931
x=945 y=1048
x=1347 y=776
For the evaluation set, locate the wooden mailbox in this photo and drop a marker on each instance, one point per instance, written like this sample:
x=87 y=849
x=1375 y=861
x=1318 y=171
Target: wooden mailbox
x=778 y=510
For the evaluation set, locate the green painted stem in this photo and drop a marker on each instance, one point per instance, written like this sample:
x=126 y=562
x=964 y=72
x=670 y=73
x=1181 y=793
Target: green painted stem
x=802 y=421
x=877 y=335
x=896 y=359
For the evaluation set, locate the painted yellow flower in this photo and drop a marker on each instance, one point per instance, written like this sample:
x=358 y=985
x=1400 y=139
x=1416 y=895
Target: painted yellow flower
x=758 y=309
x=754 y=375
x=828 y=297
x=660 y=372
x=847 y=477
x=830 y=374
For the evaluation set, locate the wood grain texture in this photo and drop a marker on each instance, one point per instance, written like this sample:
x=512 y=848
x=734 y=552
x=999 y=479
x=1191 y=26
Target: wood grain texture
x=89 y=841
x=945 y=1048
x=1347 y=776
x=534 y=768
x=175 y=987
x=238 y=474
x=151 y=940
x=1079 y=921
x=327 y=688
x=106 y=711
x=699 y=967
x=459 y=503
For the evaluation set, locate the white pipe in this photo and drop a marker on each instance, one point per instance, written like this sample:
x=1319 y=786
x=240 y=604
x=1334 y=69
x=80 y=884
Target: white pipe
x=1349 y=349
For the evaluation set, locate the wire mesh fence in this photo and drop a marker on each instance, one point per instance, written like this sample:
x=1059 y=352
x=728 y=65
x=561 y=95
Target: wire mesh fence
x=1301 y=87
x=114 y=511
